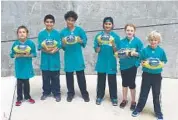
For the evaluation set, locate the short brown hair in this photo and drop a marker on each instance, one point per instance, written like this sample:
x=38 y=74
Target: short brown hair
x=22 y=27
x=131 y=25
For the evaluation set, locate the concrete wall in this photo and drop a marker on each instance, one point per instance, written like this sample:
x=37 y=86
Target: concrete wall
x=91 y=15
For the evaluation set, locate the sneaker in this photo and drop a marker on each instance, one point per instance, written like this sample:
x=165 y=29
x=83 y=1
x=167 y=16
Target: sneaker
x=133 y=105
x=98 y=101
x=159 y=117
x=69 y=98
x=114 y=102
x=18 y=103
x=31 y=101
x=43 y=97
x=58 y=98
x=86 y=98
x=135 y=113
x=123 y=103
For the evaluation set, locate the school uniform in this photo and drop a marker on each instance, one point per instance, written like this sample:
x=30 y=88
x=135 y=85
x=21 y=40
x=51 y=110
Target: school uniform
x=73 y=59
x=23 y=69
x=151 y=78
x=50 y=63
x=106 y=63
x=128 y=65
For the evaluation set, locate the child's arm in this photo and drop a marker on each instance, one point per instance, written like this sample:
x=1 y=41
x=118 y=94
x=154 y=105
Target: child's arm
x=83 y=38
x=142 y=57
x=46 y=50
x=39 y=41
x=138 y=49
x=12 y=52
x=164 y=58
x=116 y=43
x=33 y=51
x=96 y=45
x=63 y=41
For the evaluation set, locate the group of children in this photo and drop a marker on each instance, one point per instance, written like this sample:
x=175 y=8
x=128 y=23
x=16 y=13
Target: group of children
x=109 y=47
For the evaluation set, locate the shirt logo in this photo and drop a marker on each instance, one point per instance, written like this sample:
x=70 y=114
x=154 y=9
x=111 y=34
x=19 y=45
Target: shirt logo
x=49 y=42
x=70 y=38
x=105 y=37
x=22 y=47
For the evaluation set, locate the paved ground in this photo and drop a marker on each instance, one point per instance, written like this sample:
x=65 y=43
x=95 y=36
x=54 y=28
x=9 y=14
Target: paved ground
x=78 y=109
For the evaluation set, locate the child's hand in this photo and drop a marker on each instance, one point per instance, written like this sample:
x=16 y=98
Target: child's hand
x=113 y=43
x=127 y=52
x=54 y=50
x=143 y=63
x=47 y=49
x=99 y=42
x=98 y=49
x=79 y=40
x=17 y=55
x=64 y=41
x=22 y=55
x=162 y=64
x=133 y=53
x=116 y=54
x=27 y=55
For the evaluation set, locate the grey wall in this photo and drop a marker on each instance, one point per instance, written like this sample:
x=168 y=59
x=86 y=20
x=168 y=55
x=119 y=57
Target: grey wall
x=91 y=15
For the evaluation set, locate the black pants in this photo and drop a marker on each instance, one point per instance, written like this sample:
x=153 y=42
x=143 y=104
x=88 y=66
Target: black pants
x=81 y=82
x=101 y=84
x=51 y=82
x=23 y=86
x=128 y=77
x=148 y=81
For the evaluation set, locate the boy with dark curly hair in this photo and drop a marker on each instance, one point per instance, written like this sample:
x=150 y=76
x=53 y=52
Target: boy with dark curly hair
x=73 y=40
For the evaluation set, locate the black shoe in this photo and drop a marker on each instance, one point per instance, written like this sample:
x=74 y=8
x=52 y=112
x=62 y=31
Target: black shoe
x=86 y=98
x=58 y=98
x=123 y=103
x=43 y=97
x=69 y=98
x=159 y=117
x=132 y=107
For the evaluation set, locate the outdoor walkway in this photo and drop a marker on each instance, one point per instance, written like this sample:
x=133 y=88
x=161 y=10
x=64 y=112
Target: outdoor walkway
x=78 y=109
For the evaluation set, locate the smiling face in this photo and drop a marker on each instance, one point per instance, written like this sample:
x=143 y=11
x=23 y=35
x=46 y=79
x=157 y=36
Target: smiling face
x=108 y=26
x=22 y=34
x=49 y=23
x=154 y=42
x=154 y=39
x=70 y=22
x=130 y=32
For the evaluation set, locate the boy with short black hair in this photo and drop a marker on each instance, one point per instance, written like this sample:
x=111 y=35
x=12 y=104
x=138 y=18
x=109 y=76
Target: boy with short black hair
x=49 y=43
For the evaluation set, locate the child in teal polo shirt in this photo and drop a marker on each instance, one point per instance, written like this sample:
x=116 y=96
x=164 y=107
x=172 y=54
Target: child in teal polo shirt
x=49 y=44
x=131 y=46
x=23 y=50
x=74 y=39
x=105 y=45
x=153 y=59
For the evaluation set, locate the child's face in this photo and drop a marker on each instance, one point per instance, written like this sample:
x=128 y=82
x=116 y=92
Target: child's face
x=22 y=34
x=108 y=26
x=130 y=32
x=154 y=42
x=49 y=23
x=70 y=22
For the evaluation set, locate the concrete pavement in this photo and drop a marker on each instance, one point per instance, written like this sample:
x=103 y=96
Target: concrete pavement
x=78 y=109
